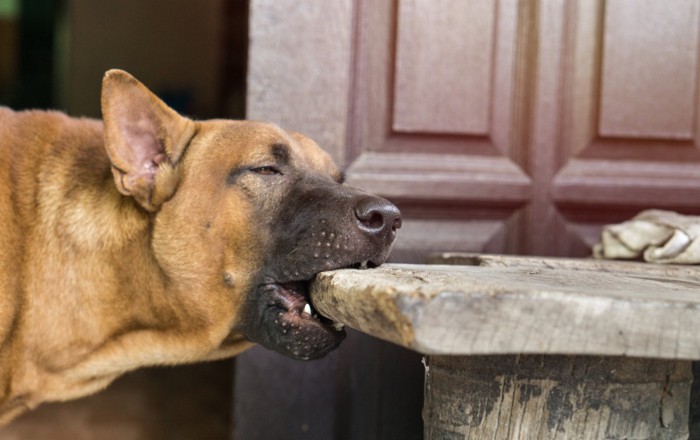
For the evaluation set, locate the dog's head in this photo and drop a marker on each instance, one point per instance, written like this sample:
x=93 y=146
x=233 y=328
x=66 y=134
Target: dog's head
x=244 y=215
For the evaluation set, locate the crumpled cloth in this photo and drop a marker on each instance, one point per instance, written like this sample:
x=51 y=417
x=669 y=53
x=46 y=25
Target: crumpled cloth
x=655 y=236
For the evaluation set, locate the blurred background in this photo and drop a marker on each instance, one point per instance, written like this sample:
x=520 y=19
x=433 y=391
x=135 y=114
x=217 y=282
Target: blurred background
x=499 y=126
x=53 y=53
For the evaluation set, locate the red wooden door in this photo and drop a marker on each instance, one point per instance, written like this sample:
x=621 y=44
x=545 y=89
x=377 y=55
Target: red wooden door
x=498 y=126
x=520 y=126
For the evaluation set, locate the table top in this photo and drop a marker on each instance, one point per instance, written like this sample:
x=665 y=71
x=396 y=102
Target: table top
x=493 y=304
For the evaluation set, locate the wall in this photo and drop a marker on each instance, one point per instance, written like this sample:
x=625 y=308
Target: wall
x=169 y=45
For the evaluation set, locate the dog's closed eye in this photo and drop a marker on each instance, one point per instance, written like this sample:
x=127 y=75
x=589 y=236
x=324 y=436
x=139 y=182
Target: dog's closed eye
x=237 y=173
x=266 y=170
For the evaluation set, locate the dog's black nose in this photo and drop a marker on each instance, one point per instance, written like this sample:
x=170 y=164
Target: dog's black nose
x=377 y=216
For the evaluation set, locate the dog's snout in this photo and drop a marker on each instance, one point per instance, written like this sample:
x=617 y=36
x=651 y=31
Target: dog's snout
x=377 y=216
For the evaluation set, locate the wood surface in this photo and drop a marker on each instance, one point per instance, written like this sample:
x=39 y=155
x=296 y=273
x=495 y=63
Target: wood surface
x=555 y=398
x=429 y=97
x=649 y=45
x=575 y=115
x=511 y=305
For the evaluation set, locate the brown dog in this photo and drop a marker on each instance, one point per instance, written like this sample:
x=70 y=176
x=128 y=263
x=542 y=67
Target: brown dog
x=154 y=239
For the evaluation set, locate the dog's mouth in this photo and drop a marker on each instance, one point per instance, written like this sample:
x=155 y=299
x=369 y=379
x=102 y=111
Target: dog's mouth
x=293 y=326
x=294 y=298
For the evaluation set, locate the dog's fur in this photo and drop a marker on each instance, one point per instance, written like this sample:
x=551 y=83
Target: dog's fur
x=153 y=239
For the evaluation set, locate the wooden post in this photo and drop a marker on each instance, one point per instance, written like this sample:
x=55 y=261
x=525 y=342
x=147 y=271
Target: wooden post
x=555 y=397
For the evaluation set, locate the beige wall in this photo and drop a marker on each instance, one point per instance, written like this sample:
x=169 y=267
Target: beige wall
x=167 y=44
x=297 y=81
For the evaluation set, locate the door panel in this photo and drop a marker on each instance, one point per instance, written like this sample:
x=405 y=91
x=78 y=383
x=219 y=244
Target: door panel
x=607 y=120
x=649 y=69
x=447 y=90
x=628 y=119
x=436 y=124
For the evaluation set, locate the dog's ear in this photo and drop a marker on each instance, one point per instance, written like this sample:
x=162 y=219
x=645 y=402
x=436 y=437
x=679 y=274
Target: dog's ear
x=144 y=138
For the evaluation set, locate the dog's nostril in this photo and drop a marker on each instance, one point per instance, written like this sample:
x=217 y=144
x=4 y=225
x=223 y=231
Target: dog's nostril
x=377 y=216
x=397 y=224
x=375 y=221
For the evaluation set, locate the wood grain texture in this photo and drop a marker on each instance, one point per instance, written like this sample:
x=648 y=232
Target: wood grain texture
x=433 y=177
x=617 y=99
x=437 y=78
x=555 y=397
x=549 y=306
x=598 y=157
x=444 y=68
x=597 y=182
x=542 y=221
x=649 y=68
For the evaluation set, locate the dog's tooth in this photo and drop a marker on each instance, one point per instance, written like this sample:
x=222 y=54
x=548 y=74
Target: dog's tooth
x=363 y=265
x=338 y=326
x=307 y=309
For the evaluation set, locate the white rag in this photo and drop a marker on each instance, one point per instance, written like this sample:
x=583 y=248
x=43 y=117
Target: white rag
x=654 y=235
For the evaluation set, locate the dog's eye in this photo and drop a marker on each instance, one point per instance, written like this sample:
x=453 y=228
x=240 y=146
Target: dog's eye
x=266 y=171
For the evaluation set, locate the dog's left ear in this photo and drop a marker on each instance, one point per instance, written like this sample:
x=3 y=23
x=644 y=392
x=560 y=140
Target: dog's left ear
x=144 y=138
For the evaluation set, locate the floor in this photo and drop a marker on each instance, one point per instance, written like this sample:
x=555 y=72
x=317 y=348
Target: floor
x=190 y=402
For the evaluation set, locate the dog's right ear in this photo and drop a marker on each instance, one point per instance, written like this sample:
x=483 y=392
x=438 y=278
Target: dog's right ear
x=144 y=138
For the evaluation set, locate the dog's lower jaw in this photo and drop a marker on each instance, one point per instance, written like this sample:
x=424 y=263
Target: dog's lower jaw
x=278 y=319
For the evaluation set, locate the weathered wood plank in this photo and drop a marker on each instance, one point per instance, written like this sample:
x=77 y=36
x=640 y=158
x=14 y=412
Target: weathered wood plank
x=555 y=397
x=510 y=305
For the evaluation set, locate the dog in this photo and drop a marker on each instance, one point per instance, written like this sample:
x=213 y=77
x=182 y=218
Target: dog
x=149 y=238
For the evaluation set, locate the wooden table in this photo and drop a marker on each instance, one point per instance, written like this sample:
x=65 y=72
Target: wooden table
x=535 y=348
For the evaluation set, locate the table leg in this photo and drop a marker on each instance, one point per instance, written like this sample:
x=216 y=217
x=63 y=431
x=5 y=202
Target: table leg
x=555 y=397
